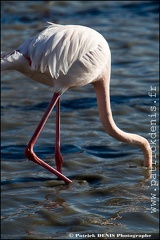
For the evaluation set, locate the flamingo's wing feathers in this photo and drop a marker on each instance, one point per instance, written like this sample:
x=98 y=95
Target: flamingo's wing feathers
x=58 y=47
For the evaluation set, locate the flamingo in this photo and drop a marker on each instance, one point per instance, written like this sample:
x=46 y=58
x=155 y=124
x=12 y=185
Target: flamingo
x=62 y=57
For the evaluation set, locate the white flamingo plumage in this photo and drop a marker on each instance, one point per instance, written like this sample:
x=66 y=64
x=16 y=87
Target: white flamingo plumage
x=65 y=56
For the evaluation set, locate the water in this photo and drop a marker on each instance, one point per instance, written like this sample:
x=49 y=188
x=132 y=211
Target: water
x=111 y=192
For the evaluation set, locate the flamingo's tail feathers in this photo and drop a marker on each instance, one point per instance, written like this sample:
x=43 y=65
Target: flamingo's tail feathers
x=11 y=60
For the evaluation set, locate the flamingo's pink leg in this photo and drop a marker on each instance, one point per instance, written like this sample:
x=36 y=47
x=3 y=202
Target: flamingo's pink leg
x=58 y=156
x=29 y=153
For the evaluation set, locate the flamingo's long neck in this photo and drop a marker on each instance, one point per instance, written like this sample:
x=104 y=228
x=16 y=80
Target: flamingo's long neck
x=103 y=100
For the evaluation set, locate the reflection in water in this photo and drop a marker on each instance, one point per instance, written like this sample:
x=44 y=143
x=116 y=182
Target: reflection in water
x=111 y=191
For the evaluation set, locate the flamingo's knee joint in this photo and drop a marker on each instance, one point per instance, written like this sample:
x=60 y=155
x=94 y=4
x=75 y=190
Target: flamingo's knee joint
x=28 y=153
